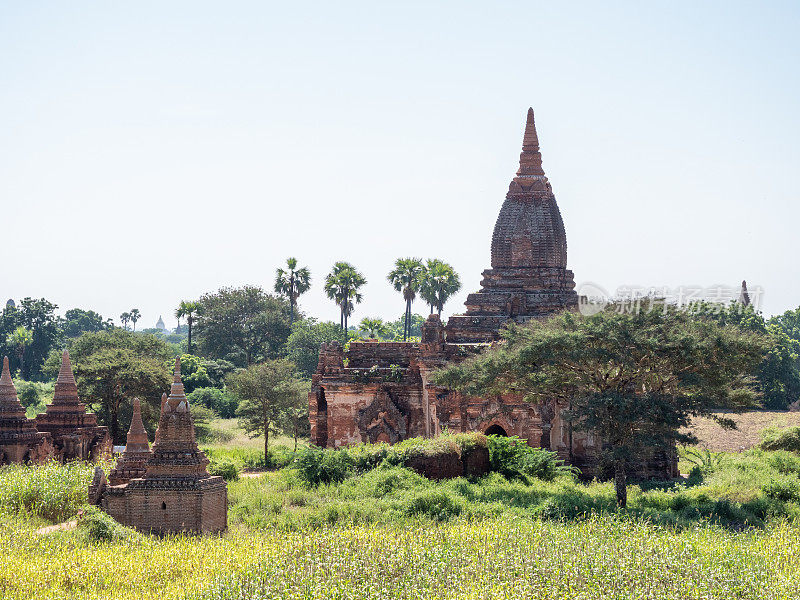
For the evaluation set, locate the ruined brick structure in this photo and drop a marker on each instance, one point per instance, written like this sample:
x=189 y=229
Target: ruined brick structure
x=381 y=392
x=132 y=463
x=75 y=432
x=175 y=493
x=20 y=442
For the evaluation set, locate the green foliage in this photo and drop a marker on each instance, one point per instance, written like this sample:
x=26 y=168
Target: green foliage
x=221 y=402
x=225 y=468
x=100 y=527
x=37 y=317
x=317 y=466
x=202 y=417
x=52 y=491
x=514 y=458
x=407 y=277
x=342 y=285
x=437 y=504
x=305 y=341
x=242 y=325
x=291 y=283
x=787 y=438
x=439 y=283
x=78 y=321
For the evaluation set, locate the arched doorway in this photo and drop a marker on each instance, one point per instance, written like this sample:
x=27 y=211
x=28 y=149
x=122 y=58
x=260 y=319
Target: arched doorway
x=322 y=419
x=496 y=430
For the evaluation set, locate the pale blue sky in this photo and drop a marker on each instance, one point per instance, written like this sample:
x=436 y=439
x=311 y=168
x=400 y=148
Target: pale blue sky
x=153 y=151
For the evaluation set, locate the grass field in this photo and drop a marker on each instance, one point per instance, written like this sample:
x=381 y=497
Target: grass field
x=748 y=433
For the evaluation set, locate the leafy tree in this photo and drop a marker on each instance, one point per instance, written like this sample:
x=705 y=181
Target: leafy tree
x=243 y=325
x=342 y=285
x=78 y=321
x=135 y=316
x=125 y=318
x=220 y=401
x=394 y=330
x=20 y=339
x=305 y=341
x=291 y=283
x=189 y=311
x=439 y=283
x=193 y=373
x=265 y=391
x=114 y=366
x=294 y=421
x=406 y=277
x=37 y=316
x=373 y=328
x=635 y=380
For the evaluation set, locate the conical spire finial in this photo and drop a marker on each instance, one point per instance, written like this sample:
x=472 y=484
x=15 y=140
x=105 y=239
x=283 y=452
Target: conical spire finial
x=176 y=392
x=137 y=435
x=5 y=378
x=744 y=295
x=530 y=161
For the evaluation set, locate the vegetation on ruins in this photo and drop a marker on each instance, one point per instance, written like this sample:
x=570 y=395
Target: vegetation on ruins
x=342 y=286
x=406 y=278
x=634 y=380
x=188 y=310
x=242 y=325
x=291 y=283
x=266 y=393
x=439 y=283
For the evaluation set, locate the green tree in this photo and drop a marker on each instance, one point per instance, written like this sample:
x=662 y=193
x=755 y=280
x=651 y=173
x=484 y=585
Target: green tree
x=77 y=321
x=135 y=316
x=265 y=391
x=635 y=380
x=114 y=366
x=38 y=316
x=342 y=285
x=188 y=310
x=125 y=318
x=291 y=283
x=242 y=325
x=305 y=341
x=372 y=328
x=439 y=283
x=20 y=339
x=406 y=277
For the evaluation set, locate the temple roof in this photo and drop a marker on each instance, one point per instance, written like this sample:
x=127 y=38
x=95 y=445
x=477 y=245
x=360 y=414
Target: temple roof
x=137 y=435
x=529 y=231
x=10 y=406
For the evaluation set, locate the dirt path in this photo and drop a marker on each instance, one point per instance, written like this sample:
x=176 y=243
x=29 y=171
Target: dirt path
x=750 y=425
x=66 y=526
x=252 y=473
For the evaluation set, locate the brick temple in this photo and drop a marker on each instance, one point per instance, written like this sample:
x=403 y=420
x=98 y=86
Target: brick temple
x=20 y=441
x=167 y=488
x=382 y=391
x=74 y=430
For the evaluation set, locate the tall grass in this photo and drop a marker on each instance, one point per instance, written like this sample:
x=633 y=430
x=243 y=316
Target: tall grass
x=52 y=491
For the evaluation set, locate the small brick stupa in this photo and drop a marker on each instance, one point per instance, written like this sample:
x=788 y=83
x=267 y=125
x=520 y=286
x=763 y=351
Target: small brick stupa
x=20 y=442
x=75 y=432
x=529 y=276
x=132 y=464
x=176 y=493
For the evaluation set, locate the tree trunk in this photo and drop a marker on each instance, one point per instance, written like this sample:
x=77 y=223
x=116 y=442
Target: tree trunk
x=22 y=364
x=266 y=441
x=189 y=320
x=291 y=300
x=620 y=482
x=345 y=328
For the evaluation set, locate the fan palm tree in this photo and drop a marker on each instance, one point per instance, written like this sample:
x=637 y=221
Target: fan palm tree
x=135 y=316
x=406 y=277
x=125 y=319
x=439 y=283
x=342 y=285
x=20 y=338
x=188 y=310
x=374 y=328
x=291 y=283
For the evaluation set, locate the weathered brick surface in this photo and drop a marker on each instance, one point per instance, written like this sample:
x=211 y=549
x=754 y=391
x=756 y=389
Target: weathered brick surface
x=133 y=461
x=75 y=432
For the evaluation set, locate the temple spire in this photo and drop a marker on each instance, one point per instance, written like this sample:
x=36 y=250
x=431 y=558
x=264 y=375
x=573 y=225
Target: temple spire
x=744 y=295
x=65 y=374
x=5 y=378
x=530 y=160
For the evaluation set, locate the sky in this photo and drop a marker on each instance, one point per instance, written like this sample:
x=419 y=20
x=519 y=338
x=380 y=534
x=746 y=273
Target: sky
x=156 y=151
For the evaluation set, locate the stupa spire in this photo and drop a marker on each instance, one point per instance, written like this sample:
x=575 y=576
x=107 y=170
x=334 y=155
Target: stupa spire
x=5 y=378
x=137 y=435
x=65 y=374
x=177 y=392
x=744 y=295
x=9 y=402
x=530 y=160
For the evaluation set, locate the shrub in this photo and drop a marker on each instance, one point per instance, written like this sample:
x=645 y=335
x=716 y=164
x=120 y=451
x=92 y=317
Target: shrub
x=514 y=458
x=100 y=527
x=438 y=504
x=222 y=403
x=786 y=490
x=316 y=465
x=202 y=418
x=225 y=468
x=787 y=438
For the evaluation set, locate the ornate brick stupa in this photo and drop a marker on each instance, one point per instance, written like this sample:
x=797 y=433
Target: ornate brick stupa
x=176 y=493
x=529 y=276
x=133 y=461
x=20 y=442
x=75 y=432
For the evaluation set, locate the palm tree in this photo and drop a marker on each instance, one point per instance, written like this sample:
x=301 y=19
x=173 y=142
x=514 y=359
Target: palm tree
x=374 y=328
x=406 y=277
x=188 y=310
x=125 y=318
x=135 y=316
x=440 y=281
x=20 y=338
x=291 y=283
x=342 y=285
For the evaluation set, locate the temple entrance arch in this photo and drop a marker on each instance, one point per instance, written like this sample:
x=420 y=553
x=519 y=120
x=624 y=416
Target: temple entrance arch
x=322 y=419
x=496 y=430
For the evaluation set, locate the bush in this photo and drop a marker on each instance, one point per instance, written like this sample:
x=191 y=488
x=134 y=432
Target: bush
x=787 y=438
x=222 y=403
x=225 y=468
x=786 y=490
x=316 y=465
x=202 y=417
x=514 y=458
x=437 y=504
x=541 y=464
x=99 y=527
